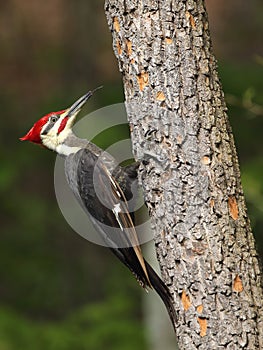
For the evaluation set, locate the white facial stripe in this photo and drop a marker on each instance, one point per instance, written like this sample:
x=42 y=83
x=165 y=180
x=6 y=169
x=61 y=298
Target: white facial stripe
x=52 y=140
x=51 y=124
x=57 y=125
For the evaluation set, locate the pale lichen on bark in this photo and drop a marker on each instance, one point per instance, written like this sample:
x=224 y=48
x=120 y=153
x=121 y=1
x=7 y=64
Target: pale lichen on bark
x=190 y=171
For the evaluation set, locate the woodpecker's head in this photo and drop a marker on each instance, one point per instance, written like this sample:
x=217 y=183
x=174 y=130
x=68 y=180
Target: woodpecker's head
x=54 y=128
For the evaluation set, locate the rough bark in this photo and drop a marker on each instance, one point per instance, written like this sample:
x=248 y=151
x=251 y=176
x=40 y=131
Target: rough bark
x=190 y=172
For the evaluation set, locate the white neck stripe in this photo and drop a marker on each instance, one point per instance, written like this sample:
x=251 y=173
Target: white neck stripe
x=66 y=150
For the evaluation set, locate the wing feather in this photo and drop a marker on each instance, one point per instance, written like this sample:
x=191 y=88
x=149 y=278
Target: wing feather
x=106 y=204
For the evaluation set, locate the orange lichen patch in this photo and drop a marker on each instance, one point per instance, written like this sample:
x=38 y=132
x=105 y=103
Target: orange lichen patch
x=160 y=96
x=205 y=160
x=191 y=19
x=143 y=80
x=203 y=326
x=200 y=308
x=238 y=285
x=185 y=301
x=233 y=208
x=129 y=47
x=119 y=49
x=116 y=24
x=168 y=41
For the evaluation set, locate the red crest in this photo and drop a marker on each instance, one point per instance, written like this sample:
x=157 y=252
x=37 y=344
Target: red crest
x=33 y=134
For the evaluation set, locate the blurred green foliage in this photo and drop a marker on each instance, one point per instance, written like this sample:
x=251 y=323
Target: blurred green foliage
x=242 y=83
x=88 y=328
x=57 y=290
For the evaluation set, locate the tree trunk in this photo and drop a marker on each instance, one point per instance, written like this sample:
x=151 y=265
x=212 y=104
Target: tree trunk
x=190 y=172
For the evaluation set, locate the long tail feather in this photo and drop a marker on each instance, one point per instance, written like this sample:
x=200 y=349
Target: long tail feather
x=163 y=291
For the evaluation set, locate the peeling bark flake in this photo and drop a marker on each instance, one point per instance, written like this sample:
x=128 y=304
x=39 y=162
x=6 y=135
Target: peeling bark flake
x=160 y=96
x=200 y=308
x=143 y=80
x=233 y=208
x=238 y=285
x=205 y=160
x=119 y=49
x=179 y=139
x=168 y=41
x=203 y=326
x=191 y=19
x=116 y=24
x=185 y=301
x=129 y=47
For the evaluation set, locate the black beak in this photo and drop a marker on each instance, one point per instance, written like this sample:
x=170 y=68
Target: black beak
x=76 y=107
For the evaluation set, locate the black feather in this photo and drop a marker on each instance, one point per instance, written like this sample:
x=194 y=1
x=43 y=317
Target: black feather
x=115 y=186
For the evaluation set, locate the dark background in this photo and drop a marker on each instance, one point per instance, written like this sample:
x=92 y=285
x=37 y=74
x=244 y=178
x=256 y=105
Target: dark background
x=57 y=290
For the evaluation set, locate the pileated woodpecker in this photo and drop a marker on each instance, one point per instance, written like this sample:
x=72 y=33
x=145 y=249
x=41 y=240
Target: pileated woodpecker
x=103 y=189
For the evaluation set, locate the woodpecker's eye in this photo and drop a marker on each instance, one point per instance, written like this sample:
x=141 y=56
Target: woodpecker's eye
x=53 y=119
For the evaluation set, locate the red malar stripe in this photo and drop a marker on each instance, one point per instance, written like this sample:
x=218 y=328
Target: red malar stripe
x=63 y=124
